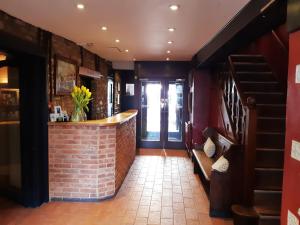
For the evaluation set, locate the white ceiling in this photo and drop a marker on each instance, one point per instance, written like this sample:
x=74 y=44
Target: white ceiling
x=141 y=25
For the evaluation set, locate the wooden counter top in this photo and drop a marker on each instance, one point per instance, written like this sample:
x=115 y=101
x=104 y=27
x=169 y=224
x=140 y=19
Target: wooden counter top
x=110 y=121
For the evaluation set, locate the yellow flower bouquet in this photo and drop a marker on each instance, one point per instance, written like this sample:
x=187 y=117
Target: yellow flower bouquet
x=81 y=98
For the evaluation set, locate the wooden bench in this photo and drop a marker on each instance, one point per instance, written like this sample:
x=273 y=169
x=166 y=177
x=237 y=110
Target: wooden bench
x=223 y=189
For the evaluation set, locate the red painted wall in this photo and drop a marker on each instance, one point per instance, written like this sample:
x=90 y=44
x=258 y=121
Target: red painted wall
x=206 y=104
x=291 y=182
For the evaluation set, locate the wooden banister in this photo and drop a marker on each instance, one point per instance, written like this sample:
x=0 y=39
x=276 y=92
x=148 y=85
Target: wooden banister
x=242 y=112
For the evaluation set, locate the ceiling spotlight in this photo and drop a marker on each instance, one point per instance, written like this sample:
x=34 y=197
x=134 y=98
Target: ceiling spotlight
x=104 y=28
x=168 y=59
x=174 y=7
x=168 y=52
x=170 y=42
x=134 y=59
x=171 y=29
x=80 y=6
x=126 y=50
x=117 y=40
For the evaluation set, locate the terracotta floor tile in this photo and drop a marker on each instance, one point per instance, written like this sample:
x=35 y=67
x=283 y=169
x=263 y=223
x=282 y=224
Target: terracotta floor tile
x=160 y=188
x=154 y=218
x=167 y=212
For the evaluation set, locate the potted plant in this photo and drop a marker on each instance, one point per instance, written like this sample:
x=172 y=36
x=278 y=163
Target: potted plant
x=81 y=98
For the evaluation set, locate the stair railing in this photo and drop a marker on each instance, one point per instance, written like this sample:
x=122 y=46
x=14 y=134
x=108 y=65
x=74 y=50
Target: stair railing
x=242 y=112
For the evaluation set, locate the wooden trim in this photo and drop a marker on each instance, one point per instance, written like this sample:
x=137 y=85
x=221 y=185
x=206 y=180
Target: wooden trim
x=279 y=41
x=83 y=71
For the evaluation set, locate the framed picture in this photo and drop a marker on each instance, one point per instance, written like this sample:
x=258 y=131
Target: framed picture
x=57 y=109
x=66 y=72
x=130 y=89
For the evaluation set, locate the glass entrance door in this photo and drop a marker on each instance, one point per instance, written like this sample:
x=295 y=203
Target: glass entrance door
x=162 y=114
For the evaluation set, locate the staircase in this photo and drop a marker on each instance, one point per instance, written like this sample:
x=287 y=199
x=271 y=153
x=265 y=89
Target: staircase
x=253 y=79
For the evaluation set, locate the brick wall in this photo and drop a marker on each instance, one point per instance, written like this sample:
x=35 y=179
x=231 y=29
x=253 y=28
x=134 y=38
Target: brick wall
x=126 y=149
x=89 y=161
x=61 y=46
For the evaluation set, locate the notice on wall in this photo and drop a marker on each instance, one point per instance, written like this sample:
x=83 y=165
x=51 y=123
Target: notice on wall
x=130 y=89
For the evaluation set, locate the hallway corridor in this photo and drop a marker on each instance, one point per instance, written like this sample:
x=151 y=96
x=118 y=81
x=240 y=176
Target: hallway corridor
x=160 y=188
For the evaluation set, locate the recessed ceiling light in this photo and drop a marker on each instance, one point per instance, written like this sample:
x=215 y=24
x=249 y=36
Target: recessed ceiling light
x=171 y=29
x=134 y=59
x=117 y=40
x=126 y=50
x=80 y=6
x=104 y=28
x=174 y=7
x=170 y=42
x=168 y=51
x=168 y=59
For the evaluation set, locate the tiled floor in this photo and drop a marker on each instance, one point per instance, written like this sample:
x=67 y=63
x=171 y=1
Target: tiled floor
x=159 y=189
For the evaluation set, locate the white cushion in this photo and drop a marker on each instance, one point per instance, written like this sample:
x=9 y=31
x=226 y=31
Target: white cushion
x=209 y=148
x=221 y=165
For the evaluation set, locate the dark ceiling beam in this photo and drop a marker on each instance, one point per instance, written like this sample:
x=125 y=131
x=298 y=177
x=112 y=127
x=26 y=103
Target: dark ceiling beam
x=255 y=19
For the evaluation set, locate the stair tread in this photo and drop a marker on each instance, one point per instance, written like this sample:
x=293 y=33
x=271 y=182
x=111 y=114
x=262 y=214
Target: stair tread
x=250 y=63
x=258 y=82
x=267 y=210
x=268 y=169
x=270 y=118
x=246 y=55
x=270 y=132
x=265 y=93
x=270 y=149
x=262 y=191
x=269 y=188
x=271 y=104
x=254 y=72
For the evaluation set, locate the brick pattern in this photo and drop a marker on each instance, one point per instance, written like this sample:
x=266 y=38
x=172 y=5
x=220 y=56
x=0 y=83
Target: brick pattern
x=89 y=161
x=126 y=150
x=67 y=49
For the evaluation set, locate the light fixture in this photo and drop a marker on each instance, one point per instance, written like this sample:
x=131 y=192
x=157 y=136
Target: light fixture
x=170 y=42
x=4 y=75
x=2 y=57
x=117 y=40
x=126 y=50
x=168 y=59
x=104 y=28
x=80 y=6
x=168 y=51
x=174 y=7
x=171 y=29
x=134 y=59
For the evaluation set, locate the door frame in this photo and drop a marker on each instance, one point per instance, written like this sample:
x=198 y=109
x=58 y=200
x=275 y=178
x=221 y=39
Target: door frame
x=163 y=133
x=33 y=119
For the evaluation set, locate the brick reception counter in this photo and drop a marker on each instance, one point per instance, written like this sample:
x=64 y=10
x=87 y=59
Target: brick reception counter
x=88 y=161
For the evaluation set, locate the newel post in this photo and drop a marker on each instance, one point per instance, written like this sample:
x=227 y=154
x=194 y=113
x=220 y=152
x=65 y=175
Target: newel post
x=249 y=151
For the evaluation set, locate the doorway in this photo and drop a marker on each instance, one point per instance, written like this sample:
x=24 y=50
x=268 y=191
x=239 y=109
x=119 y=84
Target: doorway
x=162 y=114
x=23 y=128
x=110 y=97
x=87 y=82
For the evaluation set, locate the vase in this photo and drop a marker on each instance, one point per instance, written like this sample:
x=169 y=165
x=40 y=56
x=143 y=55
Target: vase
x=78 y=115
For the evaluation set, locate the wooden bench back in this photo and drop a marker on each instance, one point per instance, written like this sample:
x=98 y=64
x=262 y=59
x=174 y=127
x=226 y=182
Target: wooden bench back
x=222 y=143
